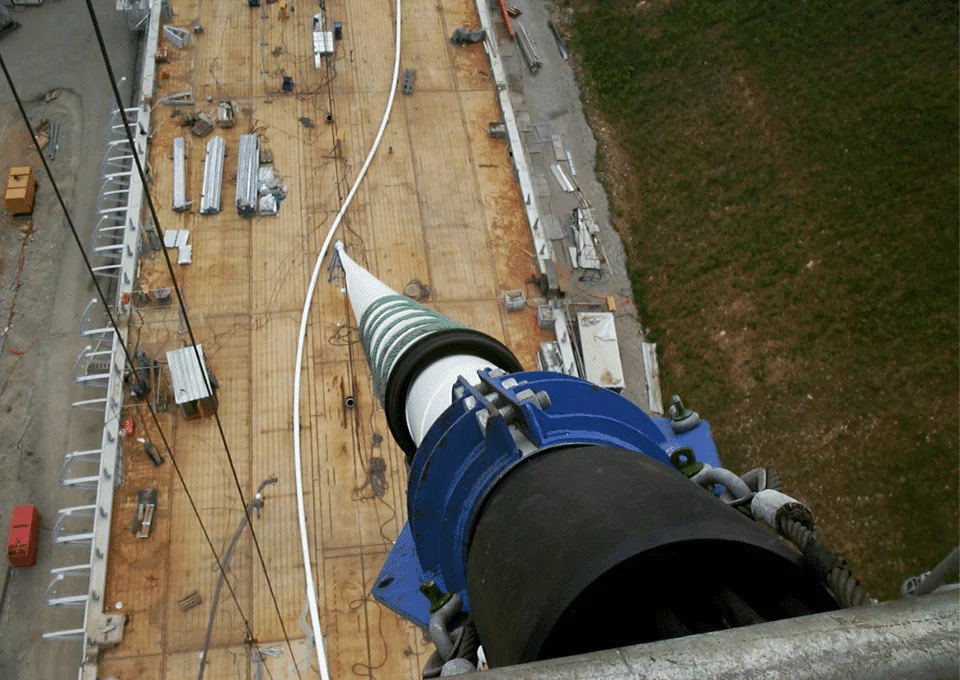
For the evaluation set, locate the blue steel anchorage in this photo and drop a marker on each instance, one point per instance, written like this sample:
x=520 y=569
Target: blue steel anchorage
x=487 y=431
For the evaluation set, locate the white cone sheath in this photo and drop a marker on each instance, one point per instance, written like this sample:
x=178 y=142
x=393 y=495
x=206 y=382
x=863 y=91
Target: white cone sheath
x=362 y=286
x=391 y=324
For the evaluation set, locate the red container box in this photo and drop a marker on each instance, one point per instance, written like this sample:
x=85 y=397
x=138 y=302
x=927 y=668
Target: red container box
x=22 y=539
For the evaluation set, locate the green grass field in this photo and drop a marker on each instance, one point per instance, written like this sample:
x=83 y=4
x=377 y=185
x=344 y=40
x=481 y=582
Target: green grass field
x=785 y=176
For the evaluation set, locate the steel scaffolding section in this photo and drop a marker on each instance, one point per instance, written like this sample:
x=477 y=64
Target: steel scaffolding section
x=120 y=225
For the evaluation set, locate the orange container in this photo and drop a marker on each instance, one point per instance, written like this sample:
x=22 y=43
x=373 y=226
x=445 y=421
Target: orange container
x=22 y=539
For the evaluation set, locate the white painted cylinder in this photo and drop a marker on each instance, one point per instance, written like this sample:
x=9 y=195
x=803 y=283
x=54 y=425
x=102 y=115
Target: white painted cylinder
x=432 y=391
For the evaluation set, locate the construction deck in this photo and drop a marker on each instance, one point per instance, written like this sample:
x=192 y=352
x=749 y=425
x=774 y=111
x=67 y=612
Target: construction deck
x=439 y=204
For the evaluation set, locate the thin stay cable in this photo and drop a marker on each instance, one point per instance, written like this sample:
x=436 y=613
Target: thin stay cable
x=183 y=311
x=120 y=340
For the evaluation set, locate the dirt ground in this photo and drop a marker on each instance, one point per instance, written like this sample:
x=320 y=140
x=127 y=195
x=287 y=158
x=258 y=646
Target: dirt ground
x=39 y=342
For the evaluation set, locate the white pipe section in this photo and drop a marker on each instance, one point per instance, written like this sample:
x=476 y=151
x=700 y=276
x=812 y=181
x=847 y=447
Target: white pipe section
x=431 y=393
x=298 y=369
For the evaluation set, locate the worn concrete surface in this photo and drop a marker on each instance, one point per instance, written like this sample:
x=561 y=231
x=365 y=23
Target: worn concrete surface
x=551 y=98
x=54 y=48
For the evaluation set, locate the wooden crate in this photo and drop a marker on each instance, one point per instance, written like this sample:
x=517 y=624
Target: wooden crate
x=21 y=190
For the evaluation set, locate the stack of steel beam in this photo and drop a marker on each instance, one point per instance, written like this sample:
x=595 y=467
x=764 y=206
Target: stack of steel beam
x=179 y=181
x=248 y=162
x=212 y=176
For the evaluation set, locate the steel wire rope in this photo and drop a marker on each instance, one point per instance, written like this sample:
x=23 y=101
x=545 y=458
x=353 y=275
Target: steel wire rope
x=183 y=310
x=301 y=339
x=120 y=340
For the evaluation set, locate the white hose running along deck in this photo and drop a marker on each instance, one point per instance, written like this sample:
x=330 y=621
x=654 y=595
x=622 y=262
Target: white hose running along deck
x=301 y=339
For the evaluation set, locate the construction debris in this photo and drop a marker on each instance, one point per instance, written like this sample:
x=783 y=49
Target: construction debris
x=272 y=190
x=528 y=49
x=545 y=317
x=51 y=95
x=514 y=300
x=573 y=169
x=225 y=114
x=142 y=520
x=409 y=75
x=187 y=119
x=514 y=12
x=175 y=238
x=586 y=254
x=561 y=178
x=41 y=131
x=203 y=126
x=558 y=151
x=178 y=36
x=7 y=22
x=269 y=205
x=162 y=55
x=462 y=36
x=190 y=601
x=152 y=453
x=558 y=39
x=185 y=254
x=54 y=138
x=184 y=98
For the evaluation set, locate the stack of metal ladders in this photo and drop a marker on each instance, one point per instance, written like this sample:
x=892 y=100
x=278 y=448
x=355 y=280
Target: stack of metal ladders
x=212 y=176
x=248 y=163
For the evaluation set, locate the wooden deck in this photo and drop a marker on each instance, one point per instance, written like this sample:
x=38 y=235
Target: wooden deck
x=439 y=204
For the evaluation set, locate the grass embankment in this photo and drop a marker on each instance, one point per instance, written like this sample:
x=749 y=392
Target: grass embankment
x=785 y=175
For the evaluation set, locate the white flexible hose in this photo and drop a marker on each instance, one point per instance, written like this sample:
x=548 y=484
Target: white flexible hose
x=301 y=338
